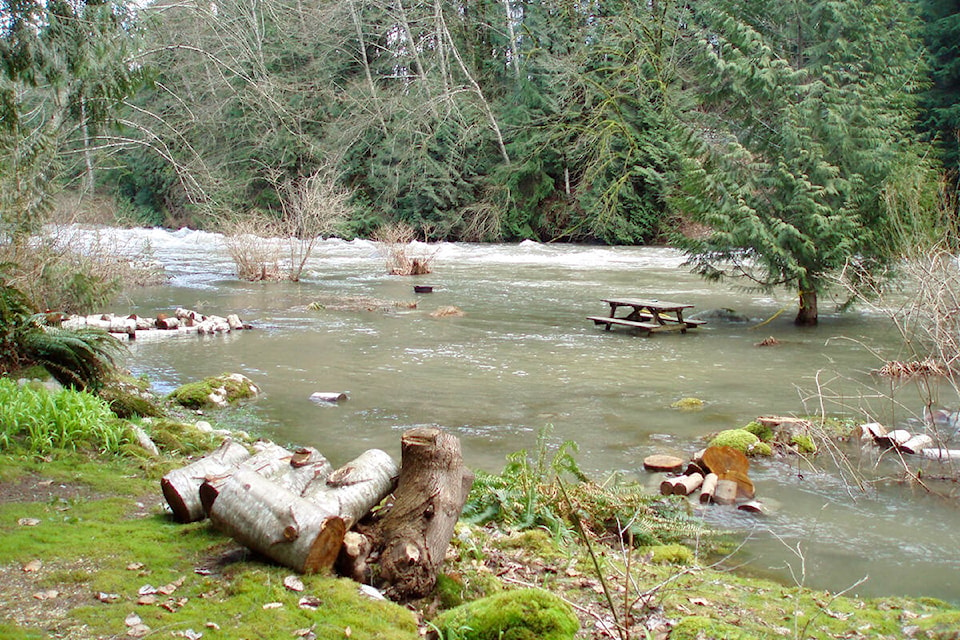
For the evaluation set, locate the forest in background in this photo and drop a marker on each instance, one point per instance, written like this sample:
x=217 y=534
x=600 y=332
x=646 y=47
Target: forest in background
x=781 y=141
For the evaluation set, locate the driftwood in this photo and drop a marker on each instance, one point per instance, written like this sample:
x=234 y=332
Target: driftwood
x=940 y=454
x=277 y=523
x=181 y=486
x=725 y=492
x=412 y=536
x=916 y=443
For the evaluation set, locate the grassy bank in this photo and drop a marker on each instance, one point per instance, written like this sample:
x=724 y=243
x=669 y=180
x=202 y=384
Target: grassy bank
x=87 y=550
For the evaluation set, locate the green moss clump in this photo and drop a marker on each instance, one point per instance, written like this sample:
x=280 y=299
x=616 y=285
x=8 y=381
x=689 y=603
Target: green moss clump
x=525 y=614
x=761 y=449
x=688 y=404
x=180 y=438
x=803 y=443
x=694 y=627
x=669 y=554
x=762 y=431
x=738 y=439
x=218 y=391
x=536 y=542
x=449 y=591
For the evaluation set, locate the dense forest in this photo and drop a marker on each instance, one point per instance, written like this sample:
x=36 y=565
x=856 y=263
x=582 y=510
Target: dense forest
x=782 y=141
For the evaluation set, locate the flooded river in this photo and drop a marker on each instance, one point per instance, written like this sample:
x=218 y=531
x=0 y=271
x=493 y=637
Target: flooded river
x=524 y=356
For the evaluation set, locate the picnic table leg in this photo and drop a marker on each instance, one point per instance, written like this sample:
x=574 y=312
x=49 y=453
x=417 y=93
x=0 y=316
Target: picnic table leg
x=683 y=325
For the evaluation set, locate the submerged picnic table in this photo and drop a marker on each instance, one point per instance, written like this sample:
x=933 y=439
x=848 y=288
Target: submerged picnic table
x=648 y=315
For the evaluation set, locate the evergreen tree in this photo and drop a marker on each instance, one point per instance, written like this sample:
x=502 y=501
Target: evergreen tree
x=65 y=66
x=941 y=102
x=806 y=123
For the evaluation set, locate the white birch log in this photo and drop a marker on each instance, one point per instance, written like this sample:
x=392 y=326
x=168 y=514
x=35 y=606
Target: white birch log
x=872 y=431
x=940 y=454
x=893 y=439
x=726 y=492
x=916 y=444
x=234 y=322
x=687 y=484
x=265 y=517
x=306 y=465
x=708 y=488
x=163 y=322
x=355 y=488
x=270 y=461
x=181 y=486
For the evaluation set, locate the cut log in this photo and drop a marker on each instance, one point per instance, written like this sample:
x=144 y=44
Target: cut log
x=164 y=322
x=872 y=431
x=413 y=534
x=181 y=486
x=352 y=561
x=355 y=488
x=940 y=454
x=270 y=461
x=726 y=492
x=895 y=438
x=687 y=484
x=662 y=462
x=916 y=444
x=667 y=486
x=306 y=465
x=265 y=517
x=708 y=488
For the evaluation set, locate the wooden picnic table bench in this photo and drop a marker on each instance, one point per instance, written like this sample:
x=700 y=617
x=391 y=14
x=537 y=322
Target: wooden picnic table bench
x=648 y=315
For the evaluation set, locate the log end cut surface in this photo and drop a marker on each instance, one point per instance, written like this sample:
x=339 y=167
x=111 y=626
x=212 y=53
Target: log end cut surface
x=181 y=512
x=326 y=546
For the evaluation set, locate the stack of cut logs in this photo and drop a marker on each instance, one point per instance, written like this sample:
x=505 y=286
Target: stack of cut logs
x=296 y=509
x=904 y=441
x=720 y=473
x=133 y=327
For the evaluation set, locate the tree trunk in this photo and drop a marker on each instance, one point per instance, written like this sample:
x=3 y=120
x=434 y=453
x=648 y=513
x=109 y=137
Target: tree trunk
x=807 y=314
x=413 y=534
x=263 y=516
x=181 y=487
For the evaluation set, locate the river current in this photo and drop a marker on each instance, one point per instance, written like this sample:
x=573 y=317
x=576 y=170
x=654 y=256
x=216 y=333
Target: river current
x=523 y=357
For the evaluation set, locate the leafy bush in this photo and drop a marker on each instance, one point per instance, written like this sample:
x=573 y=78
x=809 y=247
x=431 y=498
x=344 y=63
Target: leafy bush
x=42 y=420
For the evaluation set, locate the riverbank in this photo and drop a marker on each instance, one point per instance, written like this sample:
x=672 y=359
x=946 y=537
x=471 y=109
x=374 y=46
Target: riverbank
x=87 y=550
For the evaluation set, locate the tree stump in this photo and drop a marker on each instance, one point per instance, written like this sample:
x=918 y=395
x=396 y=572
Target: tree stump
x=181 y=487
x=412 y=536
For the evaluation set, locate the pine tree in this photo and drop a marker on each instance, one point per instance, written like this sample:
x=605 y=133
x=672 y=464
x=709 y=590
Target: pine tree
x=941 y=102
x=806 y=119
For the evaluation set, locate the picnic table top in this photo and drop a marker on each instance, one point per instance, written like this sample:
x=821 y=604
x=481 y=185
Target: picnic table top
x=648 y=303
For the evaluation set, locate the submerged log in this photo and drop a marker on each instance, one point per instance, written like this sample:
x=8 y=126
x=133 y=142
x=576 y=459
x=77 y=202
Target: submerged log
x=413 y=534
x=662 y=462
x=940 y=454
x=181 y=486
x=916 y=444
x=277 y=523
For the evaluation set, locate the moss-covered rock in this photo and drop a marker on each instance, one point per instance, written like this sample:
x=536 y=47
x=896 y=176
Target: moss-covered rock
x=525 y=614
x=218 y=391
x=688 y=404
x=741 y=440
x=762 y=431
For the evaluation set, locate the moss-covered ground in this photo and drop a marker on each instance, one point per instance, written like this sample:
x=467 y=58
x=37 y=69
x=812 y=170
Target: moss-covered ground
x=88 y=551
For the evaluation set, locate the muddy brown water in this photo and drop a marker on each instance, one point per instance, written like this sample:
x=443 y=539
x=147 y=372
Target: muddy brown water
x=523 y=356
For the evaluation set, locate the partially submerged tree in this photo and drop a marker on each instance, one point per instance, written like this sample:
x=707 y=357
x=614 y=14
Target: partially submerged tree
x=806 y=123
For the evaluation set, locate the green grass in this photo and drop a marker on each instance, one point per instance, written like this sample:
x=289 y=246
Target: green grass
x=42 y=420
